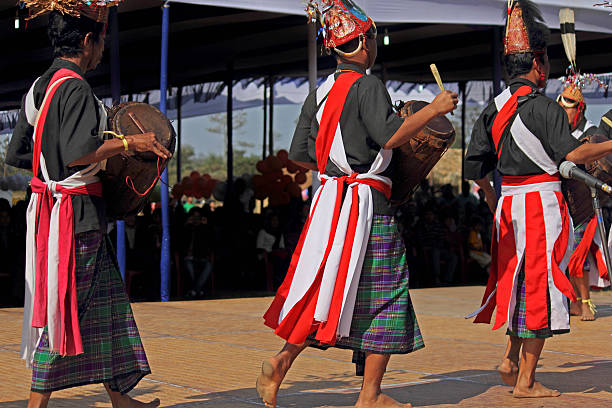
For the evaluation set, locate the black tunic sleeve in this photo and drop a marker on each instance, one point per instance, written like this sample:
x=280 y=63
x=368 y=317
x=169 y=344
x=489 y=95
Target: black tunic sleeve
x=21 y=146
x=376 y=110
x=79 y=118
x=299 y=144
x=605 y=127
x=558 y=140
x=481 y=158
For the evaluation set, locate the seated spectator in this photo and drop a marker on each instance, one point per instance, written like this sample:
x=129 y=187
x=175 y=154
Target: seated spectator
x=272 y=250
x=476 y=246
x=197 y=254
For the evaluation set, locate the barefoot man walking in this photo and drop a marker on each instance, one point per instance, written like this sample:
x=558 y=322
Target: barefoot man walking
x=347 y=285
x=524 y=135
x=78 y=326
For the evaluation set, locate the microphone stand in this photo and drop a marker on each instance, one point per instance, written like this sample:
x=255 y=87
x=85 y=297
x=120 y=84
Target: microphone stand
x=602 y=229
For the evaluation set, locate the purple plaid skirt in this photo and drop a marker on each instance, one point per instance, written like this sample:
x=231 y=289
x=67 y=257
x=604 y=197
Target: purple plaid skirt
x=113 y=350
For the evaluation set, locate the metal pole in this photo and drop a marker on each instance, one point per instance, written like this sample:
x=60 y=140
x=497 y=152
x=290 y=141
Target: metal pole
x=179 y=117
x=497 y=78
x=116 y=93
x=601 y=228
x=312 y=82
x=312 y=56
x=230 y=133
x=164 y=265
x=265 y=121
x=463 y=86
x=271 y=140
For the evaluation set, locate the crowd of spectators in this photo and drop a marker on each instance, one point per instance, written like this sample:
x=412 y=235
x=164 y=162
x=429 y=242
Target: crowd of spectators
x=229 y=249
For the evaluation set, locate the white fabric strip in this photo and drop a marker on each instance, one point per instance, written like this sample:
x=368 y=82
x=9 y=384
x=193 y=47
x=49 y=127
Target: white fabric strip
x=30 y=107
x=578 y=132
x=531 y=146
x=502 y=98
x=531 y=188
x=559 y=309
x=30 y=335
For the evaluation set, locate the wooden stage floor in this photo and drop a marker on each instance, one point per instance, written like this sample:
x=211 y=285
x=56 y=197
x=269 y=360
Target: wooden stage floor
x=208 y=354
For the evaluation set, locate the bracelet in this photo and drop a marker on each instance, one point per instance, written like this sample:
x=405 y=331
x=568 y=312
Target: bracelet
x=118 y=136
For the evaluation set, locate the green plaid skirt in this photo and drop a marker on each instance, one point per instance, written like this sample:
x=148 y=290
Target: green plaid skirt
x=113 y=351
x=517 y=327
x=384 y=321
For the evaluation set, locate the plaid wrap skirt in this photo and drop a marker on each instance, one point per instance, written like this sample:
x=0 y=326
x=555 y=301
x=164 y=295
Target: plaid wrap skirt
x=518 y=324
x=384 y=321
x=113 y=351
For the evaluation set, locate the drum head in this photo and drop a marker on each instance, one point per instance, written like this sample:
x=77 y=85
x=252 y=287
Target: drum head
x=128 y=173
x=132 y=118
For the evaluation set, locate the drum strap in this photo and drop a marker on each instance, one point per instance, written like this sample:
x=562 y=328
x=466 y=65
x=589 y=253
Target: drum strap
x=506 y=114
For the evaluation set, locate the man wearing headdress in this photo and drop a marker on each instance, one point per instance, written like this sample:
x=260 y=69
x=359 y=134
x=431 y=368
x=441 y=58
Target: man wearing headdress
x=347 y=285
x=78 y=324
x=524 y=135
x=573 y=103
x=586 y=266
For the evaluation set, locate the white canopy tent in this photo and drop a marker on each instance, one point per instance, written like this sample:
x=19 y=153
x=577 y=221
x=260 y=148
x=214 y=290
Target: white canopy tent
x=476 y=12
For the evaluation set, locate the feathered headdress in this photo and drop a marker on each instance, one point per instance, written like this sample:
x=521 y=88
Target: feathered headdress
x=341 y=21
x=93 y=9
x=522 y=19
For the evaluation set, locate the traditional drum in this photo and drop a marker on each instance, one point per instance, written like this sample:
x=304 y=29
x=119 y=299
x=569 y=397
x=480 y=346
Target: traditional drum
x=578 y=195
x=129 y=177
x=413 y=161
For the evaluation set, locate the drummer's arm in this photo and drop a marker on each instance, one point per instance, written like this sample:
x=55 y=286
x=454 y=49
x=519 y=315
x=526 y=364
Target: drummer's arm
x=444 y=103
x=589 y=152
x=145 y=142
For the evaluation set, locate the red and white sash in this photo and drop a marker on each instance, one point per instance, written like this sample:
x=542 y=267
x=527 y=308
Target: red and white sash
x=591 y=248
x=50 y=296
x=532 y=228
x=319 y=292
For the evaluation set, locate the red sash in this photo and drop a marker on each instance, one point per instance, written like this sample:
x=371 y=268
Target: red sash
x=505 y=114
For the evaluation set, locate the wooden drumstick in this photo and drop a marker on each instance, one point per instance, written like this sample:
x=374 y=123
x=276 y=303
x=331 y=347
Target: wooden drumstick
x=436 y=74
x=137 y=122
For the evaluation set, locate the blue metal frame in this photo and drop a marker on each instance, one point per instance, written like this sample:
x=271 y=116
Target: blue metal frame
x=164 y=266
x=116 y=93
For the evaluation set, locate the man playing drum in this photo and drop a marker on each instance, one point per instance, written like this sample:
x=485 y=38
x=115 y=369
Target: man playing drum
x=78 y=324
x=525 y=136
x=587 y=265
x=347 y=285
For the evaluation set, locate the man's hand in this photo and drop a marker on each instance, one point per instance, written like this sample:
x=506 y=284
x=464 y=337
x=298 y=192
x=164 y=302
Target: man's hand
x=445 y=102
x=146 y=142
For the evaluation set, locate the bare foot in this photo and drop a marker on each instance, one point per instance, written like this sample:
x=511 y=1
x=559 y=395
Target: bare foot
x=587 y=314
x=575 y=309
x=380 y=401
x=269 y=381
x=536 y=391
x=125 y=401
x=508 y=370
